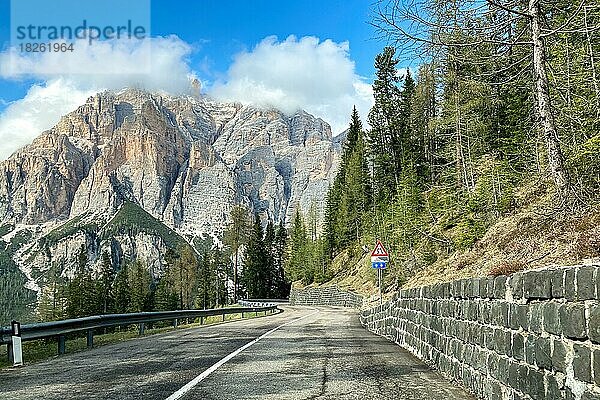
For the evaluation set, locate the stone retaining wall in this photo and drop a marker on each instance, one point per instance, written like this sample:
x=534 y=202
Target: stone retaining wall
x=325 y=296
x=533 y=335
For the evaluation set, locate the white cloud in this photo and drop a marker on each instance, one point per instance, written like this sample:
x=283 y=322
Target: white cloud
x=306 y=73
x=107 y=65
x=41 y=108
x=155 y=64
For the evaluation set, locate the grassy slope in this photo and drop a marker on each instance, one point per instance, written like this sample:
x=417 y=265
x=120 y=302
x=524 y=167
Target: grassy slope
x=133 y=218
x=534 y=235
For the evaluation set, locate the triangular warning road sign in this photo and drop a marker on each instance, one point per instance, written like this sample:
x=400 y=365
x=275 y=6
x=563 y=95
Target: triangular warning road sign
x=379 y=250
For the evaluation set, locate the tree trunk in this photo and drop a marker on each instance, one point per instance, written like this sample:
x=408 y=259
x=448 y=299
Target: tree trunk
x=235 y=277
x=592 y=61
x=555 y=157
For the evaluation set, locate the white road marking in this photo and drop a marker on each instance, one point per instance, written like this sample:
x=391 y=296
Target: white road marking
x=191 y=384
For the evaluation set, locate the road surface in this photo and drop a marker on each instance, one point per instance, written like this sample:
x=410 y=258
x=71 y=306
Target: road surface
x=302 y=353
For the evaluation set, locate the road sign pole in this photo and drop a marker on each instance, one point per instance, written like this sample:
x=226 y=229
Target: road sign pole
x=379 y=271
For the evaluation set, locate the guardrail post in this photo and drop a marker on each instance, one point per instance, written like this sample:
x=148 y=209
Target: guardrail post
x=201 y=320
x=90 y=338
x=223 y=317
x=175 y=323
x=242 y=315
x=142 y=328
x=61 y=344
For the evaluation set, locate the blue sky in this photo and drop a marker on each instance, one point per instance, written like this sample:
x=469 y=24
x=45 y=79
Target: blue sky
x=315 y=55
x=218 y=30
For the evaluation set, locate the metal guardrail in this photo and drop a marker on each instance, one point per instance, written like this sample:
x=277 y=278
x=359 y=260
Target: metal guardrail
x=261 y=302
x=58 y=329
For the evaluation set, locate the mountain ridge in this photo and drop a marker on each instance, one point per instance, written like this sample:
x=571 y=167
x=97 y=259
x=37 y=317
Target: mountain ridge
x=185 y=161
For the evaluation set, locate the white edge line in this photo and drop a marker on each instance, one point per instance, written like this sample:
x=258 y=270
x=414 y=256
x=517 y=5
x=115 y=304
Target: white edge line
x=191 y=384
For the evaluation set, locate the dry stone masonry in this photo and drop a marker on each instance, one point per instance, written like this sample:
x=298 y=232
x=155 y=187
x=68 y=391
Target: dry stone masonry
x=532 y=335
x=325 y=296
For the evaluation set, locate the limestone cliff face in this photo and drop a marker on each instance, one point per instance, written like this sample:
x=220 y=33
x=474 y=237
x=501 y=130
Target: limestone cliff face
x=183 y=160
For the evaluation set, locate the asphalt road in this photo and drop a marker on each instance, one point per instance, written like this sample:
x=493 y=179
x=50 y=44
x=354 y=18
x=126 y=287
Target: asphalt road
x=316 y=354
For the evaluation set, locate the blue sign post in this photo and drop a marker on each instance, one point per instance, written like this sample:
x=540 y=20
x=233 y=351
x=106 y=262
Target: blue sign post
x=379 y=259
x=379 y=265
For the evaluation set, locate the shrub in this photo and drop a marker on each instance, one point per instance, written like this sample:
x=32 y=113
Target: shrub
x=507 y=268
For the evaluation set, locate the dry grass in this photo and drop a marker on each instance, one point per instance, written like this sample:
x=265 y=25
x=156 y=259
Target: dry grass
x=507 y=268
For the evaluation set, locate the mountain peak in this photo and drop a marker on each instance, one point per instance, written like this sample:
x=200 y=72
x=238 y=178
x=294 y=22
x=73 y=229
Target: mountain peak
x=185 y=161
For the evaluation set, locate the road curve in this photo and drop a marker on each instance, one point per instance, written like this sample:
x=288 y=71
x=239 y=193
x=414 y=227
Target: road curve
x=307 y=354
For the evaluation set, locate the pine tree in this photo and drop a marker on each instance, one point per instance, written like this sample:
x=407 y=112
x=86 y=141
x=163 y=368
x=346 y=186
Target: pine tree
x=383 y=138
x=282 y=286
x=105 y=284
x=140 y=282
x=235 y=237
x=254 y=275
x=206 y=292
x=184 y=273
x=298 y=266
x=53 y=302
x=166 y=296
x=82 y=296
x=270 y=268
x=122 y=290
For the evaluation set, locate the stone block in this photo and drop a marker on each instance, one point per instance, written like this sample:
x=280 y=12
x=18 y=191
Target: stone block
x=500 y=287
x=557 y=282
x=536 y=312
x=572 y=320
x=553 y=391
x=582 y=363
x=490 y=287
x=559 y=356
x=536 y=285
x=489 y=337
x=518 y=346
x=570 y=285
x=543 y=353
x=552 y=318
x=586 y=285
x=522 y=316
x=475 y=291
x=516 y=285
x=499 y=343
x=535 y=384
x=493 y=390
x=483 y=288
x=500 y=314
x=517 y=375
x=530 y=342
x=594 y=325
x=502 y=374
x=597 y=367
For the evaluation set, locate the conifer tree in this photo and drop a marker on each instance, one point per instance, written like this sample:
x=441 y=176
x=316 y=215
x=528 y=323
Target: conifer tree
x=298 y=264
x=236 y=236
x=122 y=290
x=255 y=263
x=270 y=269
x=383 y=138
x=140 y=282
x=105 y=284
x=184 y=273
x=206 y=291
x=82 y=299
x=282 y=286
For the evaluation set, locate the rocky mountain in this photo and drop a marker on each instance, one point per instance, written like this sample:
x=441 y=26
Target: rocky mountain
x=134 y=173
